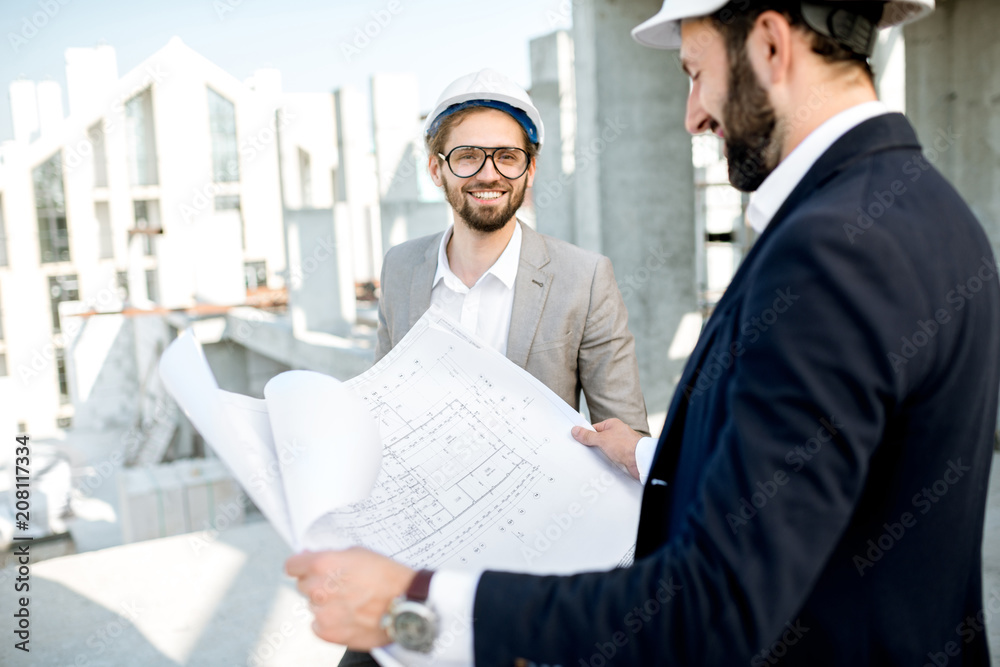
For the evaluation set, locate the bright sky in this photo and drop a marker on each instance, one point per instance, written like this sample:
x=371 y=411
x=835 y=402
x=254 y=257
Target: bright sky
x=439 y=40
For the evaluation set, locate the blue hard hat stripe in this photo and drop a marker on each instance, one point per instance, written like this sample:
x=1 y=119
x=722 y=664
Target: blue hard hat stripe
x=518 y=114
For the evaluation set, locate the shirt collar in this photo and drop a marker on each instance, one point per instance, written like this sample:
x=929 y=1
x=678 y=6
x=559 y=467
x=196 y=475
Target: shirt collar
x=773 y=192
x=504 y=269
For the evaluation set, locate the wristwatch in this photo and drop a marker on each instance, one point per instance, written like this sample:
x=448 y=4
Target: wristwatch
x=410 y=622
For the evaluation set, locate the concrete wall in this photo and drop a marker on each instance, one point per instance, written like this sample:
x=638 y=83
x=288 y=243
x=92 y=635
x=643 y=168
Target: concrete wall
x=953 y=99
x=103 y=376
x=321 y=286
x=356 y=180
x=634 y=180
x=396 y=129
x=407 y=207
x=272 y=338
x=229 y=365
x=553 y=90
x=310 y=128
x=405 y=220
x=260 y=369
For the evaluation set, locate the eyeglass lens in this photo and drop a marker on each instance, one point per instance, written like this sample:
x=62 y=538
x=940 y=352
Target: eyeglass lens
x=466 y=161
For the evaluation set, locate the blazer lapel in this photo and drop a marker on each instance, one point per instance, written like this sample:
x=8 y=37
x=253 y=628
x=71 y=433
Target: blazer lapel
x=881 y=133
x=531 y=288
x=876 y=134
x=885 y=132
x=422 y=279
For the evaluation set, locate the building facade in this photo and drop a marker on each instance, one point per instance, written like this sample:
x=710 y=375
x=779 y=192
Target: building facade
x=166 y=187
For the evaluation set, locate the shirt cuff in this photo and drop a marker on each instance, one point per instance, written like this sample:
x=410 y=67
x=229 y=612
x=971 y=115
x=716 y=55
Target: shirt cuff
x=452 y=596
x=644 y=451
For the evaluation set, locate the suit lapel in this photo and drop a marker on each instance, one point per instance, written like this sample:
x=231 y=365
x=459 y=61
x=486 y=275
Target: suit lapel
x=890 y=131
x=876 y=134
x=881 y=133
x=531 y=288
x=422 y=279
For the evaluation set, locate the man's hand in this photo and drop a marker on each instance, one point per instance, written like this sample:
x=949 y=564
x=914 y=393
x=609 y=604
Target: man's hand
x=616 y=439
x=348 y=592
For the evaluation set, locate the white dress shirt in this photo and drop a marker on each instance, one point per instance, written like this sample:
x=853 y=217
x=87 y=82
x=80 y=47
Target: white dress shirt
x=453 y=594
x=775 y=189
x=485 y=307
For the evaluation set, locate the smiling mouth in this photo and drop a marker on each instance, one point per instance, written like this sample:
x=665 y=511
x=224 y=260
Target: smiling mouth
x=487 y=195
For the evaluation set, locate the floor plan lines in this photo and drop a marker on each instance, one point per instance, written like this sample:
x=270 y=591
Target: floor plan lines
x=478 y=464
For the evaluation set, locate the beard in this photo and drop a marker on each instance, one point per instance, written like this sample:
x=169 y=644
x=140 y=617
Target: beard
x=486 y=219
x=750 y=123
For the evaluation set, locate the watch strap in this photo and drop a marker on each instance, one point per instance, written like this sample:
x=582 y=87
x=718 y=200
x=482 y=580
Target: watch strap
x=420 y=587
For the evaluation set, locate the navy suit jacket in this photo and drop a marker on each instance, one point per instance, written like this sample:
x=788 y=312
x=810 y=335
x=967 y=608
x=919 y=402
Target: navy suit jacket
x=818 y=491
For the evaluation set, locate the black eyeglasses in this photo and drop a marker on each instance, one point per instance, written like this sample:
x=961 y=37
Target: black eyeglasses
x=467 y=161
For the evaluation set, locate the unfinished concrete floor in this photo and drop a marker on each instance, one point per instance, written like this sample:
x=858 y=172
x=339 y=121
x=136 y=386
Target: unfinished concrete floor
x=218 y=600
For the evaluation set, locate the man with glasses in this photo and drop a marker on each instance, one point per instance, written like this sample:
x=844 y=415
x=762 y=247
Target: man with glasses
x=550 y=307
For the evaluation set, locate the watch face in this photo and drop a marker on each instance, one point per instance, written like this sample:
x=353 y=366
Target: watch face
x=411 y=627
x=414 y=627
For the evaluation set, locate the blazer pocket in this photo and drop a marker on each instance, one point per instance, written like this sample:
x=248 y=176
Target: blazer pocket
x=553 y=344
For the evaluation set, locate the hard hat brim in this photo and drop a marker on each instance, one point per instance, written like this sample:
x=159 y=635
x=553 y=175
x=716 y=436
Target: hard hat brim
x=663 y=31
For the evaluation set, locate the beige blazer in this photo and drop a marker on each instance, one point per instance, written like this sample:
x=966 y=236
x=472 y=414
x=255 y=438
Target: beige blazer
x=568 y=325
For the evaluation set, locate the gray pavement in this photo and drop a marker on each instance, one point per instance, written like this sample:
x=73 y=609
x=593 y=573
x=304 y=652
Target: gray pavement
x=198 y=599
x=218 y=600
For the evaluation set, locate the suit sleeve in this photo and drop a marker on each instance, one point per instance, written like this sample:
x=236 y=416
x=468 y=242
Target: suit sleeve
x=609 y=372
x=383 y=342
x=724 y=587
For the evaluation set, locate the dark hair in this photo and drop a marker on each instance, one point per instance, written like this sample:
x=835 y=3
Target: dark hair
x=435 y=144
x=736 y=20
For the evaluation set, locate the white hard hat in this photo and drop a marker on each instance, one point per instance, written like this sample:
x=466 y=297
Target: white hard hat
x=663 y=31
x=488 y=88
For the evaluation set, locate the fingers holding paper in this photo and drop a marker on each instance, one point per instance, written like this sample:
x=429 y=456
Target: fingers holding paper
x=348 y=592
x=616 y=439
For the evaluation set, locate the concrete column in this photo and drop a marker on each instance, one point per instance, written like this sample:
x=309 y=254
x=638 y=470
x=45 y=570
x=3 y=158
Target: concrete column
x=321 y=280
x=553 y=90
x=635 y=180
x=396 y=126
x=953 y=99
x=356 y=184
x=405 y=209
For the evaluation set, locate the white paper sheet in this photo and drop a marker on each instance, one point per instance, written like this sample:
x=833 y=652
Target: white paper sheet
x=327 y=444
x=309 y=446
x=478 y=467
